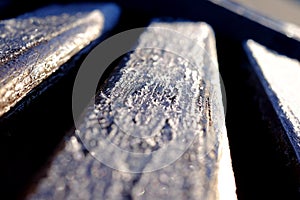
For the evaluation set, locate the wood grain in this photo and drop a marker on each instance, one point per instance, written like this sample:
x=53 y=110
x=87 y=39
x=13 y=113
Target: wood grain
x=34 y=45
x=279 y=77
x=168 y=97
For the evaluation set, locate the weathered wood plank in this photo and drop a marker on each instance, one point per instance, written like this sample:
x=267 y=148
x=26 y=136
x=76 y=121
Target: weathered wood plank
x=165 y=95
x=279 y=76
x=34 y=45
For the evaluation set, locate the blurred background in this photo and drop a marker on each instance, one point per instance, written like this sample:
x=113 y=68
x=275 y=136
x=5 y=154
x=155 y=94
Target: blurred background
x=283 y=10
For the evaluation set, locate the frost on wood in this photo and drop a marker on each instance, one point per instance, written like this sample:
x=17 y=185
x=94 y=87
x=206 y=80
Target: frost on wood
x=34 y=45
x=153 y=99
x=280 y=78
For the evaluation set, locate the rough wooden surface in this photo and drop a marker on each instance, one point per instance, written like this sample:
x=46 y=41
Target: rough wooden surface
x=280 y=78
x=153 y=100
x=34 y=45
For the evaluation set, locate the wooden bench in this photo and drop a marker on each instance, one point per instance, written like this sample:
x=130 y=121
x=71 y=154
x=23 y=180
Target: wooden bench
x=153 y=100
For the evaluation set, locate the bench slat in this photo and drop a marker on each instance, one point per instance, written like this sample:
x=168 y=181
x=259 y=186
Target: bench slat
x=280 y=78
x=34 y=45
x=164 y=95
